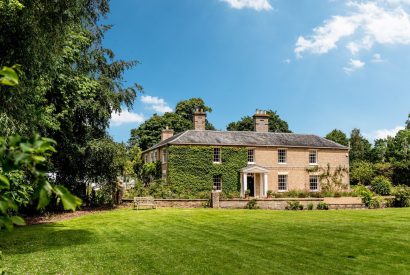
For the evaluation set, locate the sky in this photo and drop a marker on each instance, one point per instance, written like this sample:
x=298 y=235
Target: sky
x=321 y=64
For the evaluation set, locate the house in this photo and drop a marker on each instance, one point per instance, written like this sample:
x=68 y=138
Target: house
x=195 y=161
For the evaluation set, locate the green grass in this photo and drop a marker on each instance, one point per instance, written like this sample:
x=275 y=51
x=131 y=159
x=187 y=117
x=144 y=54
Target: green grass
x=196 y=241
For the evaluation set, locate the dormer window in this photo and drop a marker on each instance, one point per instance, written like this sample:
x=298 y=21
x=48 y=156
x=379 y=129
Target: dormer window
x=217 y=155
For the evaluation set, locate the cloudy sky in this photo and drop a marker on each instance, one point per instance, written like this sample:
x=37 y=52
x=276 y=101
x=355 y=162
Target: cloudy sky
x=322 y=64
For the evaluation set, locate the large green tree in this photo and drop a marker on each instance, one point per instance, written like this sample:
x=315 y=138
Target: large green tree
x=408 y=123
x=360 y=147
x=71 y=83
x=149 y=132
x=276 y=124
x=338 y=136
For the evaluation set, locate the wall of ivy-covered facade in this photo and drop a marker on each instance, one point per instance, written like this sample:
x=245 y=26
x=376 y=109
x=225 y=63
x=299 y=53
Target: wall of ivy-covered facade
x=191 y=170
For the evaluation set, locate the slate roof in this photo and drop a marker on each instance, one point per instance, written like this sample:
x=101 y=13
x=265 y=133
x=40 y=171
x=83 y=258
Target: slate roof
x=242 y=138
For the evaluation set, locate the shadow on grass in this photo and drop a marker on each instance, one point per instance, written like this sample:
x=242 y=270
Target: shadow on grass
x=46 y=237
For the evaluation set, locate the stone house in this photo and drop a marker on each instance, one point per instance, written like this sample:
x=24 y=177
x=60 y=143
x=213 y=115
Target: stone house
x=278 y=162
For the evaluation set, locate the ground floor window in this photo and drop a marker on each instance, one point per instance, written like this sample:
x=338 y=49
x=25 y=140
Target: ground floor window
x=282 y=182
x=218 y=182
x=313 y=182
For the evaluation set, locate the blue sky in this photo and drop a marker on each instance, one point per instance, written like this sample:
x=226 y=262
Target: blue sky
x=322 y=64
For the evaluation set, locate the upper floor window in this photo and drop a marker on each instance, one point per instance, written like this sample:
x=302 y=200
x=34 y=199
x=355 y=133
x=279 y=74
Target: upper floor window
x=281 y=155
x=155 y=155
x=314 y=183
x=282 y=182
x=164 y=156
x=218 y=182
x=217 y=155
x=312 y=157
x=251 y=155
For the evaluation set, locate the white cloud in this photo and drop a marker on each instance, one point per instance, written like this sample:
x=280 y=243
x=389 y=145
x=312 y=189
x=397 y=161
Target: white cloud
x=157 y=104
x=125 y=117
x=365 y=24
x=354 y=65
x=384 y=133
x=377 y=58
x=250 y=4
x=287 y=61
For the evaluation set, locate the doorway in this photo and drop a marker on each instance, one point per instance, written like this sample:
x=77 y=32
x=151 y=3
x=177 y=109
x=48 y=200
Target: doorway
x=251 y=185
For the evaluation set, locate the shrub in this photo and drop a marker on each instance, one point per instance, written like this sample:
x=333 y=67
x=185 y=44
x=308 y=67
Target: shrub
x=270 y=193
x=252 y=204
x=375 y=202
x=368 y=197
x=310 y=206
x=294 y=205
x=401 y=196
x=381 y=185
x=322 y=206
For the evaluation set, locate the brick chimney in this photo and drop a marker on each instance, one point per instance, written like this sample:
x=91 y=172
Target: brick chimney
x=166 y=133
x=199 y=119
x=261 y=121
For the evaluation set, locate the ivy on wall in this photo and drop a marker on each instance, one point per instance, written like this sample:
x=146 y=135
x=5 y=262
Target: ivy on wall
x=191 y=170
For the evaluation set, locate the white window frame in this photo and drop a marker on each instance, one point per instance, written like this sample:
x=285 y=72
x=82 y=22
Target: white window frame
x=316 y=157
x=310 y=183
x=218 y=149
x=253 y=156
x=286 y=155
x=285 y=176
x=217 y=177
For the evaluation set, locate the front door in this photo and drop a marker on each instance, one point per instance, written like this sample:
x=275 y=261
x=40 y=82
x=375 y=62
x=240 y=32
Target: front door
x=251 y=185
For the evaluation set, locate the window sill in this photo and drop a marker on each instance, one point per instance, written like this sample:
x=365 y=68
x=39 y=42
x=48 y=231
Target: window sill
x=217 y=162
x=282 y=191
x=282 y=163
x=313 y=164
x=251 y=162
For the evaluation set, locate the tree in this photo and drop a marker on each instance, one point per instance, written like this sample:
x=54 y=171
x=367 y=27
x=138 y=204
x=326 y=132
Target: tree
x=408 y=123
x=338 y=136
x=360 y=148
x=149 y=132
x=362 y=172
x=186 y=109
x=276 y=124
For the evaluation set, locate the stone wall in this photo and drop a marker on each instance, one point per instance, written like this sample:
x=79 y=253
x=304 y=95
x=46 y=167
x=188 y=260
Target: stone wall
x=181 y=203
x=274 y=204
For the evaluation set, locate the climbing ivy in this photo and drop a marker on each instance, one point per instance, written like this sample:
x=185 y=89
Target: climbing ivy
x=191 y=170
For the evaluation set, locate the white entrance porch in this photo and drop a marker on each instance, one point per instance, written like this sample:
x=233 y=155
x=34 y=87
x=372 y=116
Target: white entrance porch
x=259 y=181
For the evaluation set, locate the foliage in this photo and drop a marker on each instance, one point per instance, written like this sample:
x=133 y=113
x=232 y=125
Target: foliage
x=31 y=156
x=186 y=108
x=149 y=132
x=368 y=197
x=294 y=205
x=338 y=136
x=70 y=86
x=362 y=172
x=150 y=171
x=310 y=206
x=191 y=170
x=252 y=204
x=381 y=185
x=360 y=147
x=322 y=206
x=269 y=193
x=276 y=124
x=401 y=196
x=408 y=123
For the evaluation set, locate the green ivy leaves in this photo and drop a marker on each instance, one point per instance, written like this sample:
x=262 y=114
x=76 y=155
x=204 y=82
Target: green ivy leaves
x=9 y=75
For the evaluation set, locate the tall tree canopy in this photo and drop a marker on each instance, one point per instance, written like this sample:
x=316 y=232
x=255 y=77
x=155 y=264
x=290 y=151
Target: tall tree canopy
x=149 y=132
x=276 y=124
x=338 y=136
x=360 y=148
x=408 y=123
x=71 y=83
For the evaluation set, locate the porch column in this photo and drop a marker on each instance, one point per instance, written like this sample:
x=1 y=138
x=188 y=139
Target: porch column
x=245 y=184
x=265 y=183
x=261 y=186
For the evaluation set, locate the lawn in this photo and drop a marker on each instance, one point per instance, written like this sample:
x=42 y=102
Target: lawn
x=186 y=241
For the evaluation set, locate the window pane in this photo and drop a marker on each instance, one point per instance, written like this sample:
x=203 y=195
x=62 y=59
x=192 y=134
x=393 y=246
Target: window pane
x=313 y=183
x=282 y=156
x=251 y=155
x=217 y=154
x=282 y=182
x=218 y=182
x=312 y=157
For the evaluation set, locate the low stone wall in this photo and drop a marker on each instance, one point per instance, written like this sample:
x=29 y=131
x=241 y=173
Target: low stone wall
x=274 y=204
x=181 y=203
